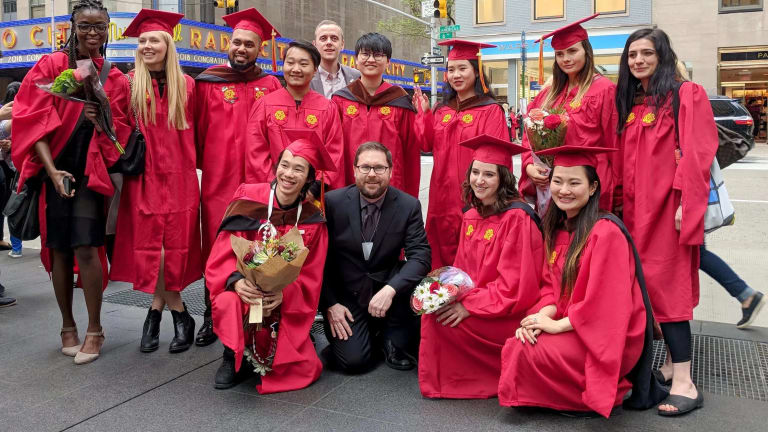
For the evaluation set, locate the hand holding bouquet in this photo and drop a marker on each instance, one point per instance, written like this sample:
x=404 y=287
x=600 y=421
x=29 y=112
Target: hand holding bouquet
x=439 y=288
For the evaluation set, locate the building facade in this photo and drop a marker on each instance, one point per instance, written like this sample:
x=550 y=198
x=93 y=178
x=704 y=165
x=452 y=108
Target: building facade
x=514 y=77
x=725 y=45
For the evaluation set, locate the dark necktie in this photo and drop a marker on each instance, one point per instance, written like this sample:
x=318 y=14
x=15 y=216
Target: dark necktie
x=369 y=222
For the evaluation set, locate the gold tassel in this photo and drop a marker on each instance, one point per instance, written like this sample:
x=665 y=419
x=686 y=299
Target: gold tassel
x=541 y=62
x=274 y=52
x=480 y=70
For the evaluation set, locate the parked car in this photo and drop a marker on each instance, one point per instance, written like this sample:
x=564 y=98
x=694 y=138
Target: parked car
x=731 y=114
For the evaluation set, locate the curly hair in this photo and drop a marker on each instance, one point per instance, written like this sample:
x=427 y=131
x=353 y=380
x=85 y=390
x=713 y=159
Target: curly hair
x=505 y=194
x=70 y=47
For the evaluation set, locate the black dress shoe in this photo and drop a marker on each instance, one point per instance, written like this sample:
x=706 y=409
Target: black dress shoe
x=226 y=376
x=7 y=301
x=206 y=336
x=184 y=331
x=397 y=358
x=150 y=337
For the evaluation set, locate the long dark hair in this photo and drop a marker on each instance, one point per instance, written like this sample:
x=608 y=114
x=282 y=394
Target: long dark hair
x=584 y=78
x=311 y=177
x=450 y=94
x=70 y=47
x=555 y=219
x=11 y=91
x=663 y=81
x=506 y=193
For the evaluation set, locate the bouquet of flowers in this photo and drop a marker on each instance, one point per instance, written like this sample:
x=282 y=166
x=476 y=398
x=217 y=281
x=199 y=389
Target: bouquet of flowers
x=83 y=85
x=439 y=288
x=545 y=129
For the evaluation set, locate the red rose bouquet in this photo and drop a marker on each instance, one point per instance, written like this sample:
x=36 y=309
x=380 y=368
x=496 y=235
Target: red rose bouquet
x=439 y=288
x=545 y=129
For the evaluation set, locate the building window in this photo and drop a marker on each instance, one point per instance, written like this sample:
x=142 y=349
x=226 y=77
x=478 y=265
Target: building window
x=37 y=8
x=548 y=9
x=610 y=6
x=489 y=11
x=728 y=6
x=9 y=10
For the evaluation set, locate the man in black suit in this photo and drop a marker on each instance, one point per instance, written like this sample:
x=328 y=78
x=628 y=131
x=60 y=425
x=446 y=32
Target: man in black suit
x=366 y=287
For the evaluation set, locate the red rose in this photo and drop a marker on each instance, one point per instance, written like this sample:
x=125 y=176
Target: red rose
x=248 y=257
x=552 y=121
x=452 y=289
x=536 y=114
x=434 y=287
x=416 y=304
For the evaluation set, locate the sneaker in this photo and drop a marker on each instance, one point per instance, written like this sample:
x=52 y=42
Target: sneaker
x=7 y=301
x=15 y=254
x=750 y=313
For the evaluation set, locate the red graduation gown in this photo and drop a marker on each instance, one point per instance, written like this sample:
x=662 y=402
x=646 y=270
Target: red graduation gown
x=583 y=369
x=221 y=111
x=502 y=254
x=391 y=124
x=653 y=188
x=38 y=115
x=443 y=129
x=296 y=364
x=159 y=208
x=592 y=124
x=276 y=112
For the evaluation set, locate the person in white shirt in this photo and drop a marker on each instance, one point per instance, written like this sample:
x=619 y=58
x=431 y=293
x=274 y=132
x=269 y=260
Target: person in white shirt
x=331 y=76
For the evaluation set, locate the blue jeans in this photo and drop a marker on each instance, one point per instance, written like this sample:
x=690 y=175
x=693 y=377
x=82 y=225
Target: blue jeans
x=15 y=244
x=721 y=272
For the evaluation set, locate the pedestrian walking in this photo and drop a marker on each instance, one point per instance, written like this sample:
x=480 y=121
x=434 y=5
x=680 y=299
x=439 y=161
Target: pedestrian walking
x=7 y=169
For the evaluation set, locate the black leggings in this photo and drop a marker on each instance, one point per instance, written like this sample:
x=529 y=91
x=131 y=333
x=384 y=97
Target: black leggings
x=677 y=335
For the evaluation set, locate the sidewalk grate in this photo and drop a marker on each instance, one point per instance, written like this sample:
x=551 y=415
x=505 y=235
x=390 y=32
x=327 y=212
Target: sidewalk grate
x=730 y=367
x=193 y=297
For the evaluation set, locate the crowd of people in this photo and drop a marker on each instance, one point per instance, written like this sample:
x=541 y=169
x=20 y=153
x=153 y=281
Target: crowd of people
x=567 y=293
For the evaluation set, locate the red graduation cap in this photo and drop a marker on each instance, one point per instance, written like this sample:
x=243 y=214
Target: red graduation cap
x=572 y=155
x=306 y=143
x=562 y=38
x=251 y=19
x=493 y=150
x=152 y=20
x=468 y=50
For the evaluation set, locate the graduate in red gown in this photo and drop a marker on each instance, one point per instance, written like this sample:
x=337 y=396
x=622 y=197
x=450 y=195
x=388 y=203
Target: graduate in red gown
x=224 y=95
x=588 y=331
x=664 y=174
x=589 y=100
x=292 y=107
x=374 y=110
x=49 y=139
x=282 y=352
x=157 y=244
x=467 y=110
x=501 y=249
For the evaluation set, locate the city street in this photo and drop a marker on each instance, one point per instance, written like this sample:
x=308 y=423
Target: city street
x=125 y=390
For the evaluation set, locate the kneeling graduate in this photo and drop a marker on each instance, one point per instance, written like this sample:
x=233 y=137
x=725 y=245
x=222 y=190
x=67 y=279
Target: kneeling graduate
x=281 y=351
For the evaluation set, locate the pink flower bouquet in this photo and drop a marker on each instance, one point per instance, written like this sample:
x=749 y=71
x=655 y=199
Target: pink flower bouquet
x=439 y=288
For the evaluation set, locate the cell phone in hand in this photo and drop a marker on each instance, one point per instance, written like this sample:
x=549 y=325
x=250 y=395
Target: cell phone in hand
x=67 y=185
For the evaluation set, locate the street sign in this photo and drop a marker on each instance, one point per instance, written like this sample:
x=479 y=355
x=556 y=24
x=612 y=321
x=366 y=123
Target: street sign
x=535 y=85
x=450 y=28
x=432 y=60
x=436 y=51
x=427 y=9
x=445 y=35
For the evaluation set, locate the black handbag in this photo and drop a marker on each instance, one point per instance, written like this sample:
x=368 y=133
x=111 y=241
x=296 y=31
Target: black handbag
x=22 y=209
x=132 y=161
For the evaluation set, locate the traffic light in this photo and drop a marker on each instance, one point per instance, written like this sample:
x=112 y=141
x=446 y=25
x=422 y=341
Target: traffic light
x=231 y=4
x=228 y=4
x=441 y=8
x=221 y=3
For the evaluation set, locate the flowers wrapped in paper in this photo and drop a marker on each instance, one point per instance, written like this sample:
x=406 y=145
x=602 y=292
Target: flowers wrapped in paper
x=83 y=85
x=441 y=287
x=271 y=264
x=545 y=129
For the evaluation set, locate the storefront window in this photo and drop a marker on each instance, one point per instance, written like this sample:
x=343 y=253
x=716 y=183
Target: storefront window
x=727 y=6
x=496 y=73
x=9 y=10
x=548 y=9
x=611 y=6
x=37 y=8
x=489 y=11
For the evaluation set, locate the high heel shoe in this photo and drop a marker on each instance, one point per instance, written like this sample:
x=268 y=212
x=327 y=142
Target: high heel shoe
x=69 y=351
x=84 y=358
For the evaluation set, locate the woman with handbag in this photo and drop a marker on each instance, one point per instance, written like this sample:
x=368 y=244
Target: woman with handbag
x=157 y=243
x=60 y=141
x=664 y=173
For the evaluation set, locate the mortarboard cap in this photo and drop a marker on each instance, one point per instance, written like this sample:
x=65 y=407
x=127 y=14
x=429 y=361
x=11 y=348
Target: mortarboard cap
x=493 y=150
x=306 y=143
x=251 y=19
x=464 y=50
x=568 y=35
x=152 y=20
x=572 y=155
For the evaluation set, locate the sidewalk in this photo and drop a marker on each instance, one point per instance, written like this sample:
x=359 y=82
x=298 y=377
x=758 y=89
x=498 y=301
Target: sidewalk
x=125 y=390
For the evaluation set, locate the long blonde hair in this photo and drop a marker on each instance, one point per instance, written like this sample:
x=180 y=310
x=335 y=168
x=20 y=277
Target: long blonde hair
x=175 y=88
x=558 y=82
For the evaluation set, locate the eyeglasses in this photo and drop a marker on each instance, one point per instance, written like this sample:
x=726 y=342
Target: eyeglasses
x=366 y=169
x=365 y=55
x=86 y=28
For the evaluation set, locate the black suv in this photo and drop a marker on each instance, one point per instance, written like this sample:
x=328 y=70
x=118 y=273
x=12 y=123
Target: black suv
x=731 y=114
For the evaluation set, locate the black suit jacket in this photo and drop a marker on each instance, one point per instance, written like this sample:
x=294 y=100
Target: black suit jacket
x=349 y=278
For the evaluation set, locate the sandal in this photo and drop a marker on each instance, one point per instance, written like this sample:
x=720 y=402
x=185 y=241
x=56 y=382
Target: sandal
x=683 y=404
x=70 y=351
x=84 y=358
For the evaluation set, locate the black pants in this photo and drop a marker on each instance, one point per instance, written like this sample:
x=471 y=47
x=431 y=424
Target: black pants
x=677 y=336
x=361 y=351
x=6 y=182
